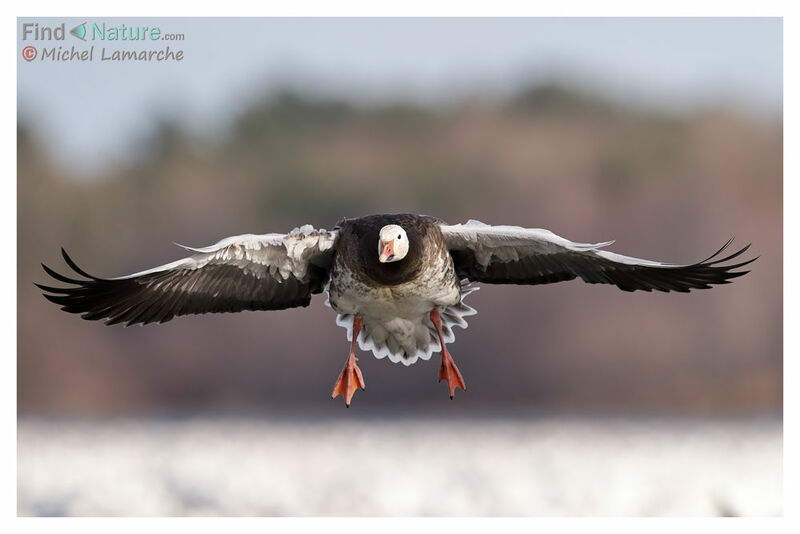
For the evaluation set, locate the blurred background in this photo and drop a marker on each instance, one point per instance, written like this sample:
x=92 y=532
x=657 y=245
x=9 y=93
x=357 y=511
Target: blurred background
x=664 y=134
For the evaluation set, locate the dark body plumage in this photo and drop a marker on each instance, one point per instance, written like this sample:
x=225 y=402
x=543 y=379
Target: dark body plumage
x=357 y=247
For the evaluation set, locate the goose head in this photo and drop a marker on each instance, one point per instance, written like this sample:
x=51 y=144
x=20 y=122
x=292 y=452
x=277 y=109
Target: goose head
x=392 y=244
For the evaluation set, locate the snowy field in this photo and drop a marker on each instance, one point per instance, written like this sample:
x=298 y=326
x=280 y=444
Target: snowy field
x=267 y=467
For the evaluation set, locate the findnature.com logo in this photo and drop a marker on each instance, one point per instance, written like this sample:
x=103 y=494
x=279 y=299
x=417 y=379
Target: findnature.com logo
x=120 y=34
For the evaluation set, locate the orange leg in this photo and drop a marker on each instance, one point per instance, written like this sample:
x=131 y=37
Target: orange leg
x=448 y=370
x=350 y=379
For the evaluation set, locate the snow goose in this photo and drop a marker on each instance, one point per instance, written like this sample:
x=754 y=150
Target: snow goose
x=397 y=282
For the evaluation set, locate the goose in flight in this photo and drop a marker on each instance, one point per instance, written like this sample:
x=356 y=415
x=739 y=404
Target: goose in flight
x=397 y=282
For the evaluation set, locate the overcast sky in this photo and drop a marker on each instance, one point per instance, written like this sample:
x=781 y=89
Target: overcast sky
x=93 y=112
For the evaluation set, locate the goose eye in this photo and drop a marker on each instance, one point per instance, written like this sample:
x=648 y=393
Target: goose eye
x=399 y=236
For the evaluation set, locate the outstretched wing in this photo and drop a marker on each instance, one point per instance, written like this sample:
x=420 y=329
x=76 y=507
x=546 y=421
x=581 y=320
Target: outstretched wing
x=246 y=272
x=514 y=255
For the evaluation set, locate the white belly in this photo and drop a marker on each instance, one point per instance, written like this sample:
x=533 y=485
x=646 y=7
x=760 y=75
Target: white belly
x=396 y=319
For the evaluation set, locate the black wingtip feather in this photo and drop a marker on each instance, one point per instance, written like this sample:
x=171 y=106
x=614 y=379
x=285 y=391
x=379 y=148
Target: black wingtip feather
x=74 y=266
x=723 y=247
x=55 y=299
x=61 y=277
x=728 y=258
x=49 y=289
x=737 y=265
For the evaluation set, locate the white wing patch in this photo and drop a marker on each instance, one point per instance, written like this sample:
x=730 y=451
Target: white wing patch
x=507 y=243
x=283 y=254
